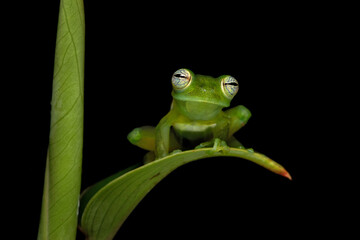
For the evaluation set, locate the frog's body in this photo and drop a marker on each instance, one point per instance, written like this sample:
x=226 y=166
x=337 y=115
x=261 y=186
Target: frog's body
x=196 y=118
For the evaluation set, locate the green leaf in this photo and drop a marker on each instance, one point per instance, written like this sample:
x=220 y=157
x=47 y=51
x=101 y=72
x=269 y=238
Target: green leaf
x=63 y=166
x=106 y=208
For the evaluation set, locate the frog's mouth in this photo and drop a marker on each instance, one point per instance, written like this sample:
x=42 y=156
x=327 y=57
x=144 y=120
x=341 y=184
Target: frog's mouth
x=205 y=97
x=199 y=110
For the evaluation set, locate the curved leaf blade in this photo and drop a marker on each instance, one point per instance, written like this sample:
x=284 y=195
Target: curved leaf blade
x=109 y=207
x=63 y=166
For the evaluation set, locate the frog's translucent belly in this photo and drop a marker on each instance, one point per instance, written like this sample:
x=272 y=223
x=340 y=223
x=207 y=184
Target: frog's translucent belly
x=195 y=133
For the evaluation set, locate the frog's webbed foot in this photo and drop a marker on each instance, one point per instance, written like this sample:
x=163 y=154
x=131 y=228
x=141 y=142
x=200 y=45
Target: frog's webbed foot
x=220 y=146
x=233 y=142
x=205 y=144
x=176 y=151
x=217 y=145
x=149 y=157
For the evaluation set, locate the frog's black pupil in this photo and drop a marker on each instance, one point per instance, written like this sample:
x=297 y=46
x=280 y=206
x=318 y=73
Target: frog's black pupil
x=179 y=75
x=232 y=83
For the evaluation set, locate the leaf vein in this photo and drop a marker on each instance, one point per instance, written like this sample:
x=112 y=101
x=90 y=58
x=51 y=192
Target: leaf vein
x=76 y=55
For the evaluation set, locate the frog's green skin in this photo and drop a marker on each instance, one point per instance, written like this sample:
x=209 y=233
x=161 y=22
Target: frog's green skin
x=196 y=118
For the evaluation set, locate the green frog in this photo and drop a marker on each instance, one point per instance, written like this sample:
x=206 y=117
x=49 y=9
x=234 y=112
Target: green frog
x=196 y=118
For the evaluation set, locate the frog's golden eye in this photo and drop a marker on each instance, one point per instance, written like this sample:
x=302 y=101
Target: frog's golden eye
x=229 y=86
x=181 y=79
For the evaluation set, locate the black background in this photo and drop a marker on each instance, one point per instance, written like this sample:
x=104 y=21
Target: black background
x=282 y=57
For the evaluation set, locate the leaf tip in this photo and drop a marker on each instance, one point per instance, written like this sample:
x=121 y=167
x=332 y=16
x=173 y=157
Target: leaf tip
x=284 y=173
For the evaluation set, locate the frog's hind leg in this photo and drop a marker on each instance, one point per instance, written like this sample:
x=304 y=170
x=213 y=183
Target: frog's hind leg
x=143 y=137
x=149 y=157
x=233 y=142
x=239 y=116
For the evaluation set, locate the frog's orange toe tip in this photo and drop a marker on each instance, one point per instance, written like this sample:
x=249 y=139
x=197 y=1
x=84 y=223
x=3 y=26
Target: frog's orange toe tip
x=286 y=174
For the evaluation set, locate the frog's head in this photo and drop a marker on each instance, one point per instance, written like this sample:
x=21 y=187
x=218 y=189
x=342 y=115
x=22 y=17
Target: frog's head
x=202 y=97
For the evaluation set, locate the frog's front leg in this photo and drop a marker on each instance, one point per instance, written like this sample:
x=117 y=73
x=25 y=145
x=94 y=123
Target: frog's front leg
x=216 y=144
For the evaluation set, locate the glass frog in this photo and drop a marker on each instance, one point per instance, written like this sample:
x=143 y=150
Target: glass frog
x=196 y=118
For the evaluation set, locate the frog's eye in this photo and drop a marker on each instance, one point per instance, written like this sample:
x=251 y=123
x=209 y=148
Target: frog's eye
x=229 y=86
x=181 y=79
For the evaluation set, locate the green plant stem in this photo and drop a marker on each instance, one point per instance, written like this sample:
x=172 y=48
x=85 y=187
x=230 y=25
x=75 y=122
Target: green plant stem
x=63 y=166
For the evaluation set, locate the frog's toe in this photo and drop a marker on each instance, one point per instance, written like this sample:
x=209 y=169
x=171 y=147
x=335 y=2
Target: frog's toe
x=250 y=150
x=204 y=145
x=176 y=151
x=220 y=146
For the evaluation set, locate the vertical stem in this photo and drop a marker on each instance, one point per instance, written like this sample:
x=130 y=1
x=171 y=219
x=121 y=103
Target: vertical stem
x=63 y=166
